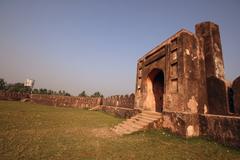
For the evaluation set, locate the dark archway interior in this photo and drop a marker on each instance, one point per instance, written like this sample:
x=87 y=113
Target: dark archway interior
x=157 y=78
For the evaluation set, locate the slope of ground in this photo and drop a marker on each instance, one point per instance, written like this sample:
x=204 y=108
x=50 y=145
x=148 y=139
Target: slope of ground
x=30 y=131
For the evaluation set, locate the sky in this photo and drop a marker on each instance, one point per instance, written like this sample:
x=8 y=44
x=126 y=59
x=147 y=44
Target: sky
x=94 y=45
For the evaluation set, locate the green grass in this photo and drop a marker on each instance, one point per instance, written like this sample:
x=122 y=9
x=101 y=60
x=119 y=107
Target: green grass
x=30 y=131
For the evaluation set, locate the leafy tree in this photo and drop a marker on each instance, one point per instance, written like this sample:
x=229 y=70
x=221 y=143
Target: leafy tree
x=35 y=91
x=67 y=94
x=42 y=91
x=50 y=92
x=97 y=94
x=2 y=84
x=18 y=87
x=82 y=94
x=59 y=92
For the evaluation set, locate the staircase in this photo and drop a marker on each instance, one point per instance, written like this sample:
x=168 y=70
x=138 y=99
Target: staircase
x=141 y=121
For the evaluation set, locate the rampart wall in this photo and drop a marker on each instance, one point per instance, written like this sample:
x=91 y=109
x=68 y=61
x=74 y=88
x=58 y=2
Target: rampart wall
x=13 y=96
x=224 y=129
x=119 y=105
x=66 y=101
x=124 y=101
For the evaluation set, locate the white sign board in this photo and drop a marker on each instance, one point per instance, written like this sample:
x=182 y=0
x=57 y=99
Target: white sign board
x=29 y=83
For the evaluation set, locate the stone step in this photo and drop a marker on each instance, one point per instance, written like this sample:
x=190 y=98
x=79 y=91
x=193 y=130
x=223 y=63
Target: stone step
x=144 y=120
x=130 y=124
x=132 y=119
x=134 y=124
x=152 y=113
x=150 y=119
x=139 y=122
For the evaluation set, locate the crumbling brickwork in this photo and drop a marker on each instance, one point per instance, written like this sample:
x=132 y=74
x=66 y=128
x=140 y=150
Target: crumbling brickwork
x=217 y=97
x=224 y=129
x=212 y=49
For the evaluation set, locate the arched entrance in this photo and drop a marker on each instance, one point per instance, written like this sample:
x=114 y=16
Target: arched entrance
x=156 y=87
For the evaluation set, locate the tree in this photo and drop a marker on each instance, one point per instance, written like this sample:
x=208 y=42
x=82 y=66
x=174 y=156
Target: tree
x=49 y=92
x=18 y=87
x=97 y=94
x=42 y=91
x=67 y=94
x=35 y=91
x=82 y=94
x=2 y=84
x=59 y=92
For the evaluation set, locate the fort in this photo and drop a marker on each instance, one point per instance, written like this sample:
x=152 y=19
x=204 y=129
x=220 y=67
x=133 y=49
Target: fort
x=180 y=86
x=183 y=79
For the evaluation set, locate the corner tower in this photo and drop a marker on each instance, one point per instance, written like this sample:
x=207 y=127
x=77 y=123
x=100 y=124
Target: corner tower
x=208 y=33
x=212 y=48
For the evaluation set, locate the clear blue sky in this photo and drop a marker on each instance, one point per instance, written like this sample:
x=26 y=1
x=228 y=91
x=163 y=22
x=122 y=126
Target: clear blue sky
x=93 y=45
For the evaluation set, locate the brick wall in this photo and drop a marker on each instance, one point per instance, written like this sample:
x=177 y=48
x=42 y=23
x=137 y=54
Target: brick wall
x=13 y=96
x=224 y=129
x=126 y=101
x=236 y=95
x=66 y=101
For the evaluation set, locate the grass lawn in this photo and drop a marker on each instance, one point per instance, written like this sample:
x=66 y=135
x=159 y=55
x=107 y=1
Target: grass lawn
x=31 y=131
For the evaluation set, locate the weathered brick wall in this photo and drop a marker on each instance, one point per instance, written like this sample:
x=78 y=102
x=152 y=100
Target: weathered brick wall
x=66 y=101
x=224 y=129
x=181 y=123
x=13 y=96
x=217 y=96
x=126 y=101
x=236 y=95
